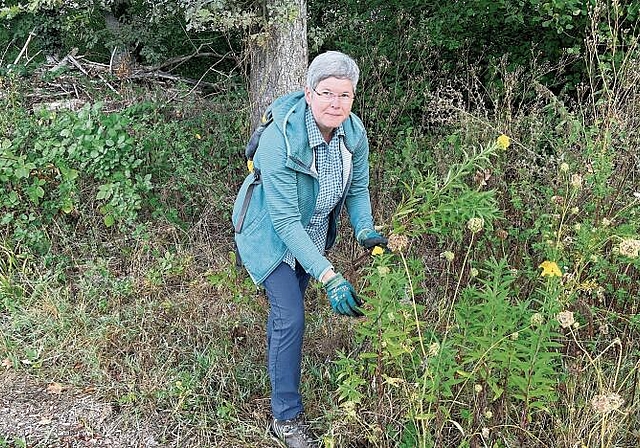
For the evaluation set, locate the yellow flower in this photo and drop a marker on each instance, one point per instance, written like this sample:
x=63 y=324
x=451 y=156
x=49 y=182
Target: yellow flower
x=550 y=268
x=198 y=136
x=377 y=251
x=503 y=141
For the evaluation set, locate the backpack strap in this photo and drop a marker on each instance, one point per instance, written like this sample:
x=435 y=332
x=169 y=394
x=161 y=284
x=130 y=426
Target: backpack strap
x=247 y=199
x=243 y=214
x=249 y=152
x=252 y=144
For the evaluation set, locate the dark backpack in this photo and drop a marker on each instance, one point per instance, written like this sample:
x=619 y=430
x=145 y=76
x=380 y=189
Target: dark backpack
x=249 y=153
x=252 y=144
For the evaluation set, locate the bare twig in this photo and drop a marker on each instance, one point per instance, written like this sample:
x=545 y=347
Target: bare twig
x=75 y=62
x=163 y=75
x=113 y=55
x=6 y=50
x=24 y=48
x=176 y=62
x=93 y=64
x=33 y=57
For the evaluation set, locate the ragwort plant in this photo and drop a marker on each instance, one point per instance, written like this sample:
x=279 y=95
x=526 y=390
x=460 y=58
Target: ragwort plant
x=480 y=360
x=507 y=350
x=585 y=232
x=592 y=229
x=487 y=356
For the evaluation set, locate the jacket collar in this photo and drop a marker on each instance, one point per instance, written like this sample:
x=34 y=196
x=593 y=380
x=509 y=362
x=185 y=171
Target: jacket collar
x=289 y=115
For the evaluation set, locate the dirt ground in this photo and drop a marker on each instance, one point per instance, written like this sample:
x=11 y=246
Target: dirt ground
x=50 y=415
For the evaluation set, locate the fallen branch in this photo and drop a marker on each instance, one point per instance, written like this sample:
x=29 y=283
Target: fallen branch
x=177 y=61
x=77 y=64
x=163 y=75
x=64 y=61
x=24 y=48
x=92 y=69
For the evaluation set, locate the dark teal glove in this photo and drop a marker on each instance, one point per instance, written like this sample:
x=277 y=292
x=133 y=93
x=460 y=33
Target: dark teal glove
x=343 y=297
x=370 y=239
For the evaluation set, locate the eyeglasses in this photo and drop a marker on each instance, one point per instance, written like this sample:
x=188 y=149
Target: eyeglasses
x=327 y=96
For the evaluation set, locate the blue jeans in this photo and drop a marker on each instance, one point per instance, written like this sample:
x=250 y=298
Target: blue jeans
x=285 y=329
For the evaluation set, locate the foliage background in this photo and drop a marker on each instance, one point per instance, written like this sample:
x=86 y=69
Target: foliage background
x=117 y=267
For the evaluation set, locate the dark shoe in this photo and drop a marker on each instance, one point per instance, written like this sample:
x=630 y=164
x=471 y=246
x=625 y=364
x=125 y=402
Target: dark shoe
x=295 y=433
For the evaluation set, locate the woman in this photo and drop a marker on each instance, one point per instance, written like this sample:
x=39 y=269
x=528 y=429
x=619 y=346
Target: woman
x=311 y=161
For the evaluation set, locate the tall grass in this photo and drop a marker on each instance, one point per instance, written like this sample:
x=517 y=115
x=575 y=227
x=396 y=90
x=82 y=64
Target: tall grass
x=518 y=329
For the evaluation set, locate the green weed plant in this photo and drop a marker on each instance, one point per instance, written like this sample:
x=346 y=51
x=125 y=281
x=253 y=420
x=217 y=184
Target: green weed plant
x=507 y=317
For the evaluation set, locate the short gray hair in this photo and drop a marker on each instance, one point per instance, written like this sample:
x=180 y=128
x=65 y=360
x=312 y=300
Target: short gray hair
x=332 y=64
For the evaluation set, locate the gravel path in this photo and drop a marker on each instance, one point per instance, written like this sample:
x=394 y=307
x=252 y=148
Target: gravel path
x=50 y=415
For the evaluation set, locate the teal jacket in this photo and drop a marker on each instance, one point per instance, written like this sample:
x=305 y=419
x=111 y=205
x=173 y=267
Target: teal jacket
x=284 y=201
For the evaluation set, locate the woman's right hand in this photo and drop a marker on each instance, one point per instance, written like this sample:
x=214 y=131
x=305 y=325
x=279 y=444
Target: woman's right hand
x=342 y=296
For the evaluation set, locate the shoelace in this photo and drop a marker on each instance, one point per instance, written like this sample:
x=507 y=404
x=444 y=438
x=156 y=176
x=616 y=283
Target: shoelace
x=294 y=427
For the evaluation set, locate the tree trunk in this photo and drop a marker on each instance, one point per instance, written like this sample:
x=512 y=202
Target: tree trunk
x=278 y=57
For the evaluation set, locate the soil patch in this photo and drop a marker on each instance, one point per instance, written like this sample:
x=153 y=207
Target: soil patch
x=48 y=415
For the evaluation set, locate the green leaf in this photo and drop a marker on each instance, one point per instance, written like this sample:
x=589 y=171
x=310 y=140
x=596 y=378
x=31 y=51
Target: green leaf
x=67 y=207
x=22 y=172
x=6 y=219
x=108 y=220
x=497 y=390
x=104 y=192
x=35 y=193
x=68 y=173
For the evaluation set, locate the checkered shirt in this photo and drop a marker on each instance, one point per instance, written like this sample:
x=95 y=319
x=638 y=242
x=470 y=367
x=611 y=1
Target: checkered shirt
x=329 y=168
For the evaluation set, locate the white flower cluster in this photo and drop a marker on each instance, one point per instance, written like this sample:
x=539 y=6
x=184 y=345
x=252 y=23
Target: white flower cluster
x=605 y=403
x=565 y=319
x=629 y=248
x=475 y=224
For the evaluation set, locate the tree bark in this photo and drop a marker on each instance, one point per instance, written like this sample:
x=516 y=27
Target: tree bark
x=278 y=57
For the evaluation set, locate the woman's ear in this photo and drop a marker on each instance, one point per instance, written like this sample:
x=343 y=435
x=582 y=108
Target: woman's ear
x=307 y=95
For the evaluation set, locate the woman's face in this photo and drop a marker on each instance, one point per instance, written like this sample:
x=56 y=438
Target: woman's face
x=329 y=113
